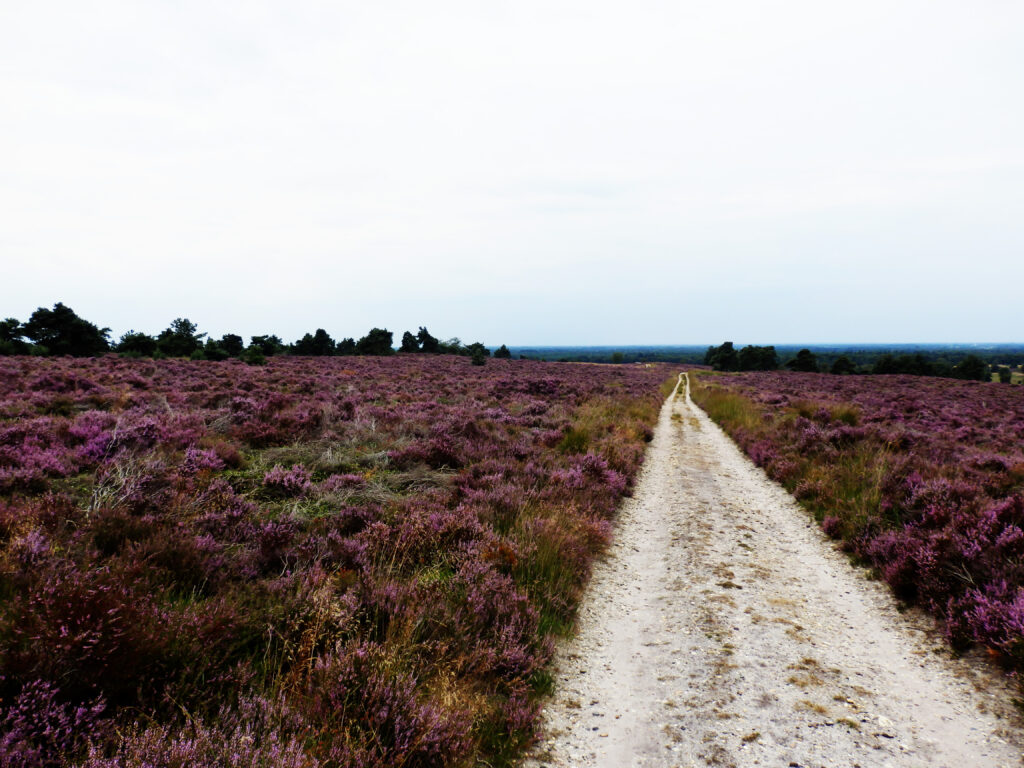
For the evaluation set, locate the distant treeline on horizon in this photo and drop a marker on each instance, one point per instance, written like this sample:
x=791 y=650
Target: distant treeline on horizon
x=952 y=360
x=60 y=331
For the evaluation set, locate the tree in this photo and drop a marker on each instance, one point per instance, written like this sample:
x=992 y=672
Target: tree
x=477 y=348
x=136 y=344
x=722 y=358
x=885 y=364
x=212 y=350
x=11 y=341
x=303 y=346
x=347 y=346
x=805 y=361
x=318 y=344
x=427 y=342
x=452 y=346
x=180 y=338
x=232 y=343
x=377 y=342
x=479 y=355
x=971 y=367
x=842 y=366
x=1005 y=375
x=409 y=343
x=753 y=358
x=323 y=344
x=62 y=332
x=267 y=345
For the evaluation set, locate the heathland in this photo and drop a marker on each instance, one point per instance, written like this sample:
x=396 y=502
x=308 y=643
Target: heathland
x=352 y=560
x=337 y=561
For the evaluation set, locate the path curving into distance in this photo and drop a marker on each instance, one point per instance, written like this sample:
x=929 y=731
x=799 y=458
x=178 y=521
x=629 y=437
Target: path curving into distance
x=723 y=629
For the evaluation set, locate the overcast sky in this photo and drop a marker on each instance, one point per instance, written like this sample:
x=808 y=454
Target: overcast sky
x=524 y=172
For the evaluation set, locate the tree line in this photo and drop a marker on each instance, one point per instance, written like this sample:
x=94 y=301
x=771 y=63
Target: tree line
x=726 y=357
x=61 y=331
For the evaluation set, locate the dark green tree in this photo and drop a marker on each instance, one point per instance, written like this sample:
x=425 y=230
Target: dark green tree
x=885 y=364
x=136 y=344
x=915 y=365
x=409 y=343
x=427 y=342
x=11 y=341
x=753 y=358
x=212 y=350
x=180 y=338
x=476 y=348
x=377 y=342
x=318 y=344
x=303 y=346
x=232 y=343
x=502 y=353
x=843 y=366
x=722 y=358
x=347 y=346
x=1005 y=374
x=973 y=368
x=805 y=361
x=323 y=344
x=452 y=346
x=61 y=332
x=268 y=346
x=478 y=356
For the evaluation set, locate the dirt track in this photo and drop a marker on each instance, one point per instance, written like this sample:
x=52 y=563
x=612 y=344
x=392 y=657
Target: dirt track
x=723 y=629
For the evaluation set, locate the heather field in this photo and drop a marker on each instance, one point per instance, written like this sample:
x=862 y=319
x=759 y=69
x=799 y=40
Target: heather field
x=922 y=478
x=339 y=562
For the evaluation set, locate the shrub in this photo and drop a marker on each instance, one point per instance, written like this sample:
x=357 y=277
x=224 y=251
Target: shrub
x=255 y=734
x=288 y=482
x=37 y=730
x=253 y=356
x=574 y=441
x=378 y=707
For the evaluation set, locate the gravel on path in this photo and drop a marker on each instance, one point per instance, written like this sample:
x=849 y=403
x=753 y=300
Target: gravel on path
x=724 y=629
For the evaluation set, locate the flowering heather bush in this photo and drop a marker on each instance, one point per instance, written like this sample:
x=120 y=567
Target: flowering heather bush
x=288 y=482
x=338 y=562
x=36 y=730
x=921 y=477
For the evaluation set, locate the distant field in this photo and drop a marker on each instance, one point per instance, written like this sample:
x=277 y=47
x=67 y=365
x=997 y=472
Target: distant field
x=923 y=478
x=1016 y=377
x=358 y=561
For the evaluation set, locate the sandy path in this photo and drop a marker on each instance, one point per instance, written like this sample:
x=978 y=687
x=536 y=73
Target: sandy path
x=724 y=629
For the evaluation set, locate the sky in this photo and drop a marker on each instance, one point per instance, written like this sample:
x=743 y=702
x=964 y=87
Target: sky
x=522 y=172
